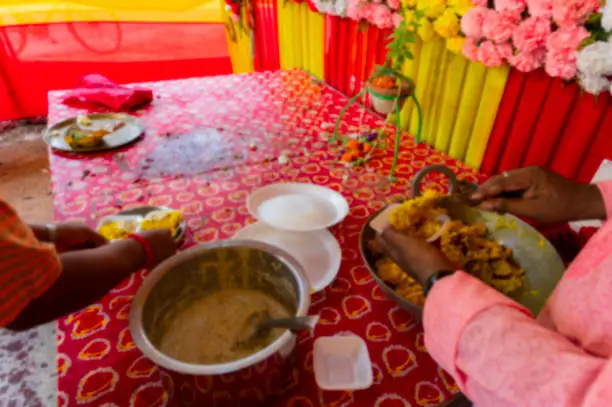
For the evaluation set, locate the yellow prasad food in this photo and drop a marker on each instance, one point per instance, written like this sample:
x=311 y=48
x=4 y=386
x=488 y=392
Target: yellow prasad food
x=85 y=138
x=117 y=229
x=466 y=245
x=169 y=220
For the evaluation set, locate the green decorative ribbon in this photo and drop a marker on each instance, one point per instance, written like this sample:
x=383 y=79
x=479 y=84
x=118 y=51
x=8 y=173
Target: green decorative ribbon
x=398 y=132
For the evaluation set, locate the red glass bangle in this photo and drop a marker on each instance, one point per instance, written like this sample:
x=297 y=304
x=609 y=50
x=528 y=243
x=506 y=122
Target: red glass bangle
x=146 y=247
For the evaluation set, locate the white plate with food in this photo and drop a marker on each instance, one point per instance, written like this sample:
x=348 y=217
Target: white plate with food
x=142 y=218
x=94 y=132
x=317 y=252
x=298 y=207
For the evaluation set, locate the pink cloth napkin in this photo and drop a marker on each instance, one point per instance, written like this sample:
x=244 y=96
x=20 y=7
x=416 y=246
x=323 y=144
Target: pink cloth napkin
x=96 y=91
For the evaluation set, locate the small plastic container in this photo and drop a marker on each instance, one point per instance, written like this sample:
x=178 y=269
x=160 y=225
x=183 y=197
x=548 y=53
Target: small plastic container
x=342 y=363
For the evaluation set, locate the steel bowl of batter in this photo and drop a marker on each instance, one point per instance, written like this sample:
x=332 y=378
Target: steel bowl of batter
x=186 y=313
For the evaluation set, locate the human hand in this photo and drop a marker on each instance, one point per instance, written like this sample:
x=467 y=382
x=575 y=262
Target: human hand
x=541 y=195
x=413 y=255
x=162 y=245
x=76 y=236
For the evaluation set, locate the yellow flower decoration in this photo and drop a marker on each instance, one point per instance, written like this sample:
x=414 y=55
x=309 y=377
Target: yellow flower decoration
x=461 y=6
x=432 y=8
x=447 y=25
x=426 y=30
x=409 y=3
x=455 y=44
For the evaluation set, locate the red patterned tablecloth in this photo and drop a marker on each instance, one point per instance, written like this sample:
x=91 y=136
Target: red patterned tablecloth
x=209 y=143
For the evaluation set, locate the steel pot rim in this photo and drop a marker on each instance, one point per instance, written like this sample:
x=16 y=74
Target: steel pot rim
x=150 y=351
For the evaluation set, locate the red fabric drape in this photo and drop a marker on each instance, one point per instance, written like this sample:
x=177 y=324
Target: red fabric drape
x=267 y=54
x=550 y=123
x=38 y=58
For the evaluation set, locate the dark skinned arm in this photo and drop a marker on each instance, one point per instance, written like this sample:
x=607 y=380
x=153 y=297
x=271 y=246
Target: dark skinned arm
x=87 y=275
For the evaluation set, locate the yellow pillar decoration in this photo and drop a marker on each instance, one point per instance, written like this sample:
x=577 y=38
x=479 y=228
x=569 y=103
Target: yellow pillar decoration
x=296 y=26
x=450 y=101
x=304 y=36
x=492 y=92
x=429 y=66
x=282 y=34
x=468 y=105
x=316 y=43
x=238 y=43
x=431 y=125
x=410 y=70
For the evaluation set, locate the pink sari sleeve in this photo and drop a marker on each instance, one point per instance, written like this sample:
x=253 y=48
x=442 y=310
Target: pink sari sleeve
x=500 y=356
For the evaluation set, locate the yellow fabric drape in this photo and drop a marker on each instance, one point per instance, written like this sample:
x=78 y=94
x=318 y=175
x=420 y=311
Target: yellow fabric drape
x=17 y=12
x=300 y=34
x=238 y=44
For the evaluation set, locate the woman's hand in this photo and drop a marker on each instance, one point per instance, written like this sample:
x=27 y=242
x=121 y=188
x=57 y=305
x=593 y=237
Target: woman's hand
x=76 y=236
x=541 y=195
x=414 y=255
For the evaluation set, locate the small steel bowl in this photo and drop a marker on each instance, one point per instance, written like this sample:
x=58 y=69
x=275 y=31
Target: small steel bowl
x=193 y=273
x=536 y=255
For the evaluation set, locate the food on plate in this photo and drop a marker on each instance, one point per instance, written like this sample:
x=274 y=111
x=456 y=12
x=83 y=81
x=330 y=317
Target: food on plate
x=78 y=138
x=466 y=245
x=115 y=229
x=162 y=219
x=83 y=121
x=211 y=329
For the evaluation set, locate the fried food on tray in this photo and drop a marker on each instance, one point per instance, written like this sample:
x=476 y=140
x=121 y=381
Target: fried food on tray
x=418 y=216
x=169 y=220
x=466 y=245
x=118 y=229
x=78 y=138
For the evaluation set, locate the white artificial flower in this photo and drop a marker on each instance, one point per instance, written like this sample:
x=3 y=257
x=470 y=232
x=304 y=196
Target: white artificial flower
x=606 y=16
x=595 y=59
x=333 y=7
x=594 y=84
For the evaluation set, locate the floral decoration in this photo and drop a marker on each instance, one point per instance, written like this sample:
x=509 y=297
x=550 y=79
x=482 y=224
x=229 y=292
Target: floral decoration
x=381 y=13
x=333 y=7
x=439 y=18
x=531 y=34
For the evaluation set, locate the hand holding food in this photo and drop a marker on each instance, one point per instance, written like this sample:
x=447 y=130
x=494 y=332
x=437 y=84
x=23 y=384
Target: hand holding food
x=76 y=236
x=413 y=254
x=162 y=245
x=542 y=196
x=406 y=260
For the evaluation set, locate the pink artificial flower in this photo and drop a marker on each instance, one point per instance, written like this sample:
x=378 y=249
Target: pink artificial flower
x=567 y=37
x=393 y=4
x=531 y=34
x=572 y=12
x=505 y=49
x=381 y=16
x=470 y=49
x=496 y=27
x=528 y=61
x=377 y=1
x=561 y=64
x=480 y=3
x=353 y=11
x=489 y=54
x=511 y=8
x=397 y=19
x=540 y=8
x=472 y=21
